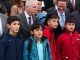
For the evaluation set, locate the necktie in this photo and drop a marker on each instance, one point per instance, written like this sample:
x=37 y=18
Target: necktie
x=29 y=21
x=62 y=22
x=72 y=3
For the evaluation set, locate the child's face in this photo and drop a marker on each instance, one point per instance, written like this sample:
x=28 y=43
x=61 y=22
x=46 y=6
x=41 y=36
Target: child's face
x=70 y=27
x=53 y=23
x=37 y=33
x=14 y=26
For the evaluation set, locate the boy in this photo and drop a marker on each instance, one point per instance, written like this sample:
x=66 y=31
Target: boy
x=68 y=43
x=11 y=45
x=39 y=49
x=51 y=24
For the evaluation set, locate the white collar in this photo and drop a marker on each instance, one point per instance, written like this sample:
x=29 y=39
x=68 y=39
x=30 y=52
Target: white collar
x=26 y=14
x=59 y=13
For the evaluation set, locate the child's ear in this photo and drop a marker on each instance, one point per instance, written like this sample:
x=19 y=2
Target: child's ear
x=31 y=32
x=8 y=25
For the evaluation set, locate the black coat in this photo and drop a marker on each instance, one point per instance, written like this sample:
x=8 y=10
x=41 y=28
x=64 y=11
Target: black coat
x=11 y=48
x=76 y=16
x=48 y=4
x=3 y=10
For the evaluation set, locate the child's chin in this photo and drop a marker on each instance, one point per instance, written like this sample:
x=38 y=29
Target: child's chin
x=16 y=31
x=40 y=36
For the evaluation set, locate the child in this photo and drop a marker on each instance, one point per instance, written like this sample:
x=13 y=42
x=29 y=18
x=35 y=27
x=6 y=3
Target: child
x=12 y=45
x=68 y=43
x=51 y=24
x=36 y=47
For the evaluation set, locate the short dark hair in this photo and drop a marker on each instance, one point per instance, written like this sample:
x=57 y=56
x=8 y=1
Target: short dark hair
x=61 y=0
x=70 y=20
x=36 y=25
x=11 y=19
x=51 y=15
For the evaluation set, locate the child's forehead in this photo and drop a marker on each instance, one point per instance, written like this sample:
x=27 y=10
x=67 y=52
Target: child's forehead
x=70 y=23
x=15 y=21
x=38 y=28
x=53 y=19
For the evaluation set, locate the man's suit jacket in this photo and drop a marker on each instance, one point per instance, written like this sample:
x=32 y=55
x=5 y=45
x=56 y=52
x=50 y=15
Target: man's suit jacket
x=2 y=8
x=25 y=28
x=8 y=4
x=69 y=5
x=76 y=16
x=4 y=24
x=59 y=30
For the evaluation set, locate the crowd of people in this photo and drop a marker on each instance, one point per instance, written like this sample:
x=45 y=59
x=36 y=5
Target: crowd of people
x=39 y=30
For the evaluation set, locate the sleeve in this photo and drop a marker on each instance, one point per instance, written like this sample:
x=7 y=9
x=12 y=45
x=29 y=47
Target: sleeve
x=20 y=49
x=46 y=34
x=49 y=51
x=3 y=9
x=25 y=51
x=2 y=49
x=59 y=48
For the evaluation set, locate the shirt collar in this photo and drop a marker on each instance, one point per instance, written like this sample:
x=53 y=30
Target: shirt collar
x=59 y=13
x=26 y=14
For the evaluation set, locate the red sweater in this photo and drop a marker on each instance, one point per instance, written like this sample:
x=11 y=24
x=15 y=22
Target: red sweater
x=50 y=35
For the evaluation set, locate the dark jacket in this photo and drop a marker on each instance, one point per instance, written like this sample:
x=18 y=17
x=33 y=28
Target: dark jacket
x=12 y=48
x=25 y=28
x=48 y=4
x=77 y=5
x=76 y=16
x=3 y=10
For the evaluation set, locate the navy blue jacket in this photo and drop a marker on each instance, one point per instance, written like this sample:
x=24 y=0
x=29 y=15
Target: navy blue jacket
x=11 y=48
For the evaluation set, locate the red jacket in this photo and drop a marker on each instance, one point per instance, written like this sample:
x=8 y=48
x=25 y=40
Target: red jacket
x=67 y=46
x=50 y=35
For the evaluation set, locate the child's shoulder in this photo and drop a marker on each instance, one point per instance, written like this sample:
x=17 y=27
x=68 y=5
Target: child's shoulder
x=44 y=39
x=61 y=35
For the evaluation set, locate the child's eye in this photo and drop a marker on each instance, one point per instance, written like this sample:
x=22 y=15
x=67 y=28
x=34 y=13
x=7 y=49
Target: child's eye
x=37 y=29
x=18 y=23
x=35 y=7
x=14 y=24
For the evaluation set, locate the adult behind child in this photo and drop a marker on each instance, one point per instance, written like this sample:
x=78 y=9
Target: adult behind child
x=27 y=18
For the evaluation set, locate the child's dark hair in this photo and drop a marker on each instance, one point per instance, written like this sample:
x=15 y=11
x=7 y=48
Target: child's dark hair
x=61 y=0
x=36 y=25
x=51 y=15
x=11 y=19
x=70 y=20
